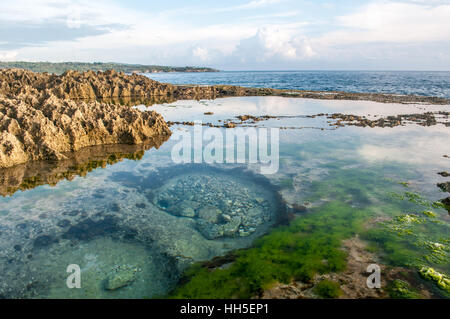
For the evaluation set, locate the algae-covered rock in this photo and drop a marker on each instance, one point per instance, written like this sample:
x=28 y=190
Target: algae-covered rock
x=441 y=280
x=120 y=277
x=409 y=219
x=429 y=213
x=400 y=289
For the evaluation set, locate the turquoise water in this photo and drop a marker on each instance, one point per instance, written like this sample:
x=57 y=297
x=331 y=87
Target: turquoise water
x=155 y=218
x=395 y=82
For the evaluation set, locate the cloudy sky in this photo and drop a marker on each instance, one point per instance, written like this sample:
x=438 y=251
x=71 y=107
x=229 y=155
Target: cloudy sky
x=232 y=34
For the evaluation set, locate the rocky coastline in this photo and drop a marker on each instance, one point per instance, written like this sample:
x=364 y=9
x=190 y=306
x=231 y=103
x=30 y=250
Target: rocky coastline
x=44 y=116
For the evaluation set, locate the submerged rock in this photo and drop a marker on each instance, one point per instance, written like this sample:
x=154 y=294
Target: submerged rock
x=222 y=206
x=209 y=230
x=120 y=277
x=230 y=228
x=210 y=214
x=186 y=208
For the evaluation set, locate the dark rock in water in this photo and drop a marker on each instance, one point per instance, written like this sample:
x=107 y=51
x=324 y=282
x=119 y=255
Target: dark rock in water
x=141 y=205
x=89 y=229
x=446 y=202
x=43 y=241
x=22 y=226
x=17 y=247
x=120 y=277
x=63 y=223
x=72 y=213
x=444 y=186
x=115 y=207
x=444 y=174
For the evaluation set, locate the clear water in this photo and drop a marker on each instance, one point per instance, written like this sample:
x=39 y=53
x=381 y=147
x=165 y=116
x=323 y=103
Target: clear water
x=130 y=214
x=401 y=82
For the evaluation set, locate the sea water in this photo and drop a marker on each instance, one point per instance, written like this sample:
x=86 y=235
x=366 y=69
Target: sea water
x=151 y=219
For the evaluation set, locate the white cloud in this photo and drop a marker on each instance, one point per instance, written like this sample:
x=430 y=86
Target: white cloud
x=274 y=43
x=393 y=22
x=201 y=53
x=381 y=32
x=8 y=55
x=250 y=5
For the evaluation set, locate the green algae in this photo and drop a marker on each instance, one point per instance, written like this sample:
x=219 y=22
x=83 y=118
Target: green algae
x=441 y=280
x=404 y=184
x=328 y=289
x=410 y=240
x=308 y=246
x=399 y=289
x=429 y=213
x=415 y=198
x=416 y=240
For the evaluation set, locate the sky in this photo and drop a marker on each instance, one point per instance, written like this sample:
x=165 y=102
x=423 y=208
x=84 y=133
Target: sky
x=232 y=34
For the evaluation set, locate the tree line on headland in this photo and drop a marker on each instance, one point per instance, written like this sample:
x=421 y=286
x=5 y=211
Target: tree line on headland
x=61 y=67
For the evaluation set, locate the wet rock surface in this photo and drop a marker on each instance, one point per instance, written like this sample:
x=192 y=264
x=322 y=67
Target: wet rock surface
x=336 y=120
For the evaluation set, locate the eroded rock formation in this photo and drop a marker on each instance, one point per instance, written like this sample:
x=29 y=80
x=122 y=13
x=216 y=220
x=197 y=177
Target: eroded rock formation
x=42 y=118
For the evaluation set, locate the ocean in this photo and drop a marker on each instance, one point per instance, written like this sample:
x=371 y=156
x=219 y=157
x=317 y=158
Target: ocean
x=393 y=82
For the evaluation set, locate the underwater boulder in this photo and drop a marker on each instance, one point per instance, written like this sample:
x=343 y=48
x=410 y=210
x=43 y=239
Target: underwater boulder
x=120 y=277
x=210 y=214
x=209 y=230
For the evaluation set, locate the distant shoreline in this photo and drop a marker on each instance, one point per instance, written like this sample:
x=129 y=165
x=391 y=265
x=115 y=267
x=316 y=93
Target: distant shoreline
x=61 y=67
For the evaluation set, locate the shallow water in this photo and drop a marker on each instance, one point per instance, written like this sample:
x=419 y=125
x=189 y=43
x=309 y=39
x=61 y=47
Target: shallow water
x=155 y=217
